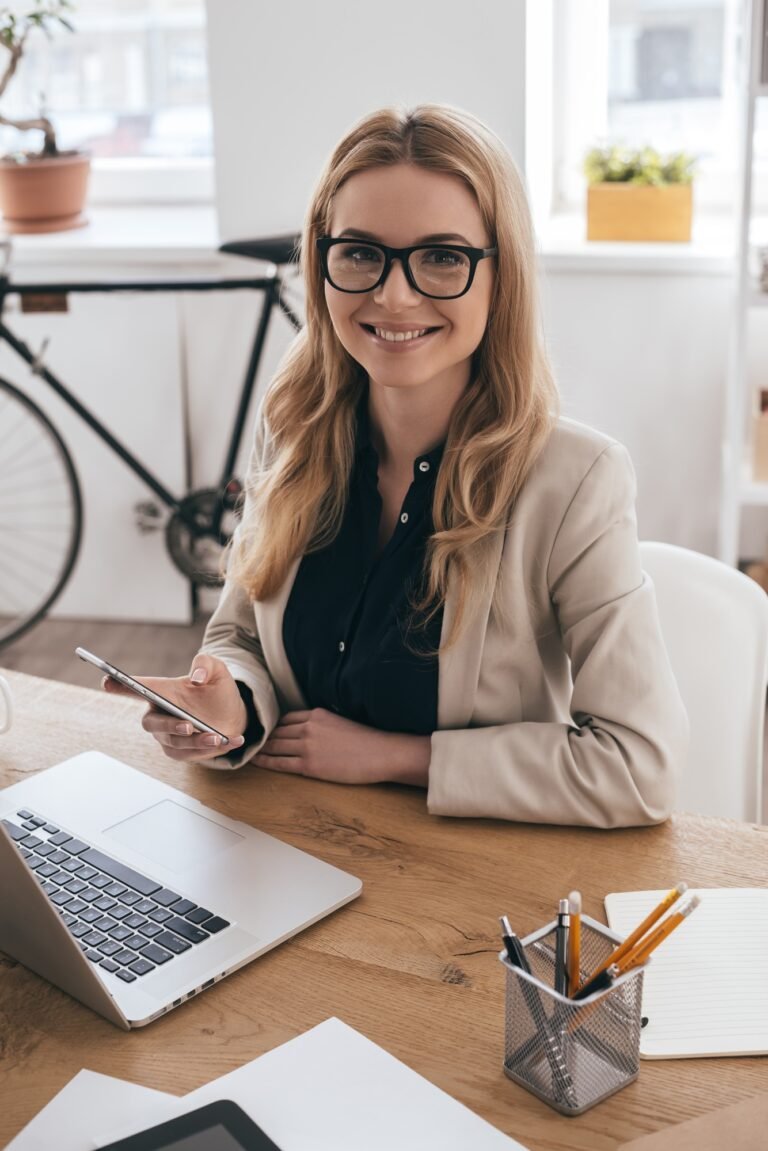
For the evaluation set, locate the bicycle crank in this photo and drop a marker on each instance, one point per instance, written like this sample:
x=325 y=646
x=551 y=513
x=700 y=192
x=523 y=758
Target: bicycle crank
x=198 y=533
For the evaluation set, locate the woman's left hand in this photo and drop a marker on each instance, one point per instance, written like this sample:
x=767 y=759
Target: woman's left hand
x=323 y=745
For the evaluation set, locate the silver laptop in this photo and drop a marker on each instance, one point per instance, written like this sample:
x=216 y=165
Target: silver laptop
x=133 y=897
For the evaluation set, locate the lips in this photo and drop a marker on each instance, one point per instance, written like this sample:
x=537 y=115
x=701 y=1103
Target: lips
x=398 y=337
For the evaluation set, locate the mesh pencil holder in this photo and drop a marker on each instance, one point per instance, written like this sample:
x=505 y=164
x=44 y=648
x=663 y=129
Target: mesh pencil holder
x=572 y=1054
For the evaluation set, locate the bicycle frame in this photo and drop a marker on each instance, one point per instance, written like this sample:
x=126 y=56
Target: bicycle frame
x=271 y=287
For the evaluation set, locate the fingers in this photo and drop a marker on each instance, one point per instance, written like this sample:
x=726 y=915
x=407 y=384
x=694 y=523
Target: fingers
x=277 y=746
x=180 y=736
x=291 y=718
x=207 y=669
x=114 y=688
x=291 y=764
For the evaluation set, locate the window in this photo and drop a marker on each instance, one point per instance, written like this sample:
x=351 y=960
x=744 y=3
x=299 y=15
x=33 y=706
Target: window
x=130 y=85
x=662 y=73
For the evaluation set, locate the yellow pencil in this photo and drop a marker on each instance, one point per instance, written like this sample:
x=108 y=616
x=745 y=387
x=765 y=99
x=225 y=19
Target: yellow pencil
x=574 y=942
x=669 y=899
x=644 y=948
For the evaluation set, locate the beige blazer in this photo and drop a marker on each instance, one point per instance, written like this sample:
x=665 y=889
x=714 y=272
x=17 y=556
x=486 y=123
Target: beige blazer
x=557 y=704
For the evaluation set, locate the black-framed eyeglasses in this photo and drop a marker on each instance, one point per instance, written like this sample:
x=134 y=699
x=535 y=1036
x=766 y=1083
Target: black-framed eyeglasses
x=440 y=271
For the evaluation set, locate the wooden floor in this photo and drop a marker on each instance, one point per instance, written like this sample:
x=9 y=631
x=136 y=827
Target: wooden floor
x=137 y=648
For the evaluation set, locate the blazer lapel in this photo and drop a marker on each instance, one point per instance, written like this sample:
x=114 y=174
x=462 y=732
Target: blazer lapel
x=459 y=666
x=269 y=619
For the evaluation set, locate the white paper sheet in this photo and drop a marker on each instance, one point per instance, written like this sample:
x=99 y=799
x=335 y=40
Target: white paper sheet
x=331 y=1089
x=705 y=988
x=90 y=1102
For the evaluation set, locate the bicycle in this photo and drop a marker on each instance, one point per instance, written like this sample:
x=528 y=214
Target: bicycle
x=41 y=506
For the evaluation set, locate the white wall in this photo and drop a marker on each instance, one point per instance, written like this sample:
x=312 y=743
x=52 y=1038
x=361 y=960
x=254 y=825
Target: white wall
x=287 y=80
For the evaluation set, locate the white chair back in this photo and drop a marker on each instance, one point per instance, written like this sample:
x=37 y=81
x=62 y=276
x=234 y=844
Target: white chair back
x=715 y=625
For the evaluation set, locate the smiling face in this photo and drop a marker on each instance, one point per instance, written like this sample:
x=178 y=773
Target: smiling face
x=402 y=339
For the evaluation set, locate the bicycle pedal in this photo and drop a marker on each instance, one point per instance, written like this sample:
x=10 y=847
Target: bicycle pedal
x=149 y=517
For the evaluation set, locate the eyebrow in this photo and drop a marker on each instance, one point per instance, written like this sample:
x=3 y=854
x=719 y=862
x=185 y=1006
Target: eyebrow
x=436 y=238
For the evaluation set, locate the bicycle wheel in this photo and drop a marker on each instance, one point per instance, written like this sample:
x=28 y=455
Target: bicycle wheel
x=40 y=513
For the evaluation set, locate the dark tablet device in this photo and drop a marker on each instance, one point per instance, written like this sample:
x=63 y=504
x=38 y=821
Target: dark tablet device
x=220 y=1126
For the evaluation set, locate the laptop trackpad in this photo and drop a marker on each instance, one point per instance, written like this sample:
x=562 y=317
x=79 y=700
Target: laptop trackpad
x=173 y=836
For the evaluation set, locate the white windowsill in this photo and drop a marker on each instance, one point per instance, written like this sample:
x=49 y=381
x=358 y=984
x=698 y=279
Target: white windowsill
x=563 y=247
x=152 y=234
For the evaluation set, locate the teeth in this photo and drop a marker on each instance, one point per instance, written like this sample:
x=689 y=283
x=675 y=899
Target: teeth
x=398 y=337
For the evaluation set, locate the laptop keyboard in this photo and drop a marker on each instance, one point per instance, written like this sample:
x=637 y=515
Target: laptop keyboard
x=124 y=921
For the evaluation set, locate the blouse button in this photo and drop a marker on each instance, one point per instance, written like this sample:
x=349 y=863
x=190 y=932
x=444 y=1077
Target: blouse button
x=341 y=646
x=404 y=518
x=423 y=466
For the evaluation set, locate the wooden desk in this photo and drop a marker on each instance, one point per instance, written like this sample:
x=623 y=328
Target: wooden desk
x=411 y=963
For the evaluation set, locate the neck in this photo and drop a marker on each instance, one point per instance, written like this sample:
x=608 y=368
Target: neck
x=407 y=423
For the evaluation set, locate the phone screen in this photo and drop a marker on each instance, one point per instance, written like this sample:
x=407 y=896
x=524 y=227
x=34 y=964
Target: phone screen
x=146 y=693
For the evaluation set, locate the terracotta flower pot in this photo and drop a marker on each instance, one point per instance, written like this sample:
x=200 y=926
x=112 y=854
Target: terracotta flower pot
x=44 y=193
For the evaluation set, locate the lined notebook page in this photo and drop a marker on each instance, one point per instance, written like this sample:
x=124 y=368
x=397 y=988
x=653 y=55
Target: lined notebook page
x=705 y=990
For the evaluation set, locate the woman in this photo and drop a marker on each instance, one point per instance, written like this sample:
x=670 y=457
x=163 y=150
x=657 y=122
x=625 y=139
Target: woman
x=436 y=581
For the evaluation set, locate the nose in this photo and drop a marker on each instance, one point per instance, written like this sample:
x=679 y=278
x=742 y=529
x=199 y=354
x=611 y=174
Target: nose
x=396 y=292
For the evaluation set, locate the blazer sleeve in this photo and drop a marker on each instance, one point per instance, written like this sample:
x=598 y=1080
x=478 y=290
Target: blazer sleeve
x=232 y=636
x=614 y=764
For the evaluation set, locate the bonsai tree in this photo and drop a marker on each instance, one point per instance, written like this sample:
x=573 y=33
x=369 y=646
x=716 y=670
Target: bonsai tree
x=612 y=165
x=14 y=30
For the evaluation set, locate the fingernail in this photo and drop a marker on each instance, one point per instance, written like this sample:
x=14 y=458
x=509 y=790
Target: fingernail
x=211 y=741
x=238 y=741
x=184 y=728
x=198 y=675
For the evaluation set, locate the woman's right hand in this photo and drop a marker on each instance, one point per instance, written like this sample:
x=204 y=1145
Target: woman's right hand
x=209 y=693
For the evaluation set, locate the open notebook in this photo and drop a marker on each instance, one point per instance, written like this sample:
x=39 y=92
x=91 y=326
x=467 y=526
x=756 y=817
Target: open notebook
x=705 y=990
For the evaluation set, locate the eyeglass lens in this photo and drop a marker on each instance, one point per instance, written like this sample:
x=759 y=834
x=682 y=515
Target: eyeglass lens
x=436 y=271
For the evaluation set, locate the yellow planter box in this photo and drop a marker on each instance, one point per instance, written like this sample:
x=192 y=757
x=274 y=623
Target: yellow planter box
x=638 y=212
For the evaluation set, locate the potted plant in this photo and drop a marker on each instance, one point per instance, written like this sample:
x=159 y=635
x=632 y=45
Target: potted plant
x=638 y=195
x=41 y=191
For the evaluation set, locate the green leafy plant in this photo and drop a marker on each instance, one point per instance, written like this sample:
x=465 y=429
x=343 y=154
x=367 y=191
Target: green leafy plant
x=15 y=28
x=615 y=165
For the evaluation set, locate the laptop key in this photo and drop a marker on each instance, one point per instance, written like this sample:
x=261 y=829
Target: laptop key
x=61 y=897
x=76 y=906
x=183 y=906
x=156 y=954
x=136 y=942
x=75 y=886
x=216 y=924
x=45 y=849
x=30 y=825
x=104 y=903
x=93 y=938
x=199 y=915
x=24 y=814
x=50 y=829
x=142 y=967
x=172 y=942
x=114 y=888
x=164 y=897
x=124 y=957
x=108 y=965
x=120 y=933
x=37 y=820
x=47 y=887
x=129 y=898
x=109 y=947
x=91 y=894
x=26 y=853
x=31 y=841
x=101 y=881
x=80 y=929
x=91 y=915
x=120 y=872
x=58 y=856
x=134 y=920
x=125 y=975
x=186 y=930
x=94 y=956
x=35 y=861
x=150 y=930
x=75 y=846
x=104 y=924
x=87 y=872
x=145 y=906
x=46 y=869
x=60 y=838
x=16 y=833
x=120 y=912
x=160 y=916
x=71 y=865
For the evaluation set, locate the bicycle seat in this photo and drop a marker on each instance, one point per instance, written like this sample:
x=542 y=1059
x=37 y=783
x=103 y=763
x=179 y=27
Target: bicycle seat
x=275 y=249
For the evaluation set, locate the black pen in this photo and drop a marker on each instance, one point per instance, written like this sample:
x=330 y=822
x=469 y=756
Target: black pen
x=514 y=948
x=561 y=947
x=598 y=983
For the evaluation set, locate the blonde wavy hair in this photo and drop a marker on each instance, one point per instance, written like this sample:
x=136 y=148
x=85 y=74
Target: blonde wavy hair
x=297 y=497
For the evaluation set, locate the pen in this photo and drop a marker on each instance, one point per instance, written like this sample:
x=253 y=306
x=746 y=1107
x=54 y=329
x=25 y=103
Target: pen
x=561 y=947
x=513 y=946
x=623 y=948
x=598 y=982
x=574 y=942
x=644 y=948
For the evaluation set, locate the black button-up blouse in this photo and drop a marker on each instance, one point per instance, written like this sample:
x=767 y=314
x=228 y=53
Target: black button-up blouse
x=349 y=629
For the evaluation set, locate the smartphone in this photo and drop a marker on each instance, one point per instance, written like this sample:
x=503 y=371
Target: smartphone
x=147 y=693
